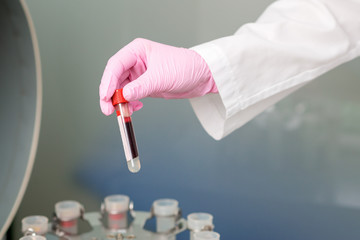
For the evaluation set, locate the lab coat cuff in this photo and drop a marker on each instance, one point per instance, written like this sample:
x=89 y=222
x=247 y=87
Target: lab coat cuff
x=219 y=66
x=212 y=110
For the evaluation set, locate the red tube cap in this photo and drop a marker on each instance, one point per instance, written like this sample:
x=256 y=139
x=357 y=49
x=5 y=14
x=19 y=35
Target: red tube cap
x=118 y=97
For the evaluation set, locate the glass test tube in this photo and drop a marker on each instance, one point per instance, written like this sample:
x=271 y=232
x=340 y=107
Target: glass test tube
x=36 y=237
x=117 y=207
x=165 y=211
x=68 y=213
x=34 y=224
x=127 y=131
x=206 y=235
x=198 y=222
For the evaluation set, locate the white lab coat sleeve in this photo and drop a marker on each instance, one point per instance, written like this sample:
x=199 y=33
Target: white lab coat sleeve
x=292 y=42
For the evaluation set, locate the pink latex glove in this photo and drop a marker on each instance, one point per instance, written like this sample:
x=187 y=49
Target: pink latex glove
x=145 y=68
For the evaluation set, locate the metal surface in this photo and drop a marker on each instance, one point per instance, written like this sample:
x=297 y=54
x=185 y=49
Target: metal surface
x=135 y=231
x=20 y=106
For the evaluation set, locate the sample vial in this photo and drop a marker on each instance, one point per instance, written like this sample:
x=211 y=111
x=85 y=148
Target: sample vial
x=198 y=222
x=165 y=211
x=127 y=131
x=36 y=237
x=206 y=235
x=34 y=224
x=117 y=207
x=68 y=213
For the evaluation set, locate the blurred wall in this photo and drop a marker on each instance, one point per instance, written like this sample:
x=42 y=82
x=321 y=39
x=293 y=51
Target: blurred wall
x=291 y=173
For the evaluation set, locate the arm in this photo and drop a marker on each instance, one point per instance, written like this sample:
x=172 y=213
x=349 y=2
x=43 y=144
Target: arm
x=293 y=42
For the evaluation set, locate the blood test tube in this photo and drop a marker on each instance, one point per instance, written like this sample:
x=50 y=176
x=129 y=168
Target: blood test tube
x=117 y=207
x=127 y=131
x=68 y=213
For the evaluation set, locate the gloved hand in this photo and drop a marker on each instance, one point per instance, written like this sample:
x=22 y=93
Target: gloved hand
x=145 y=68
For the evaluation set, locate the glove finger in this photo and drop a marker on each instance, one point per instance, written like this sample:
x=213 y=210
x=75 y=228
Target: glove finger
x=106 y=107
x=116 y=71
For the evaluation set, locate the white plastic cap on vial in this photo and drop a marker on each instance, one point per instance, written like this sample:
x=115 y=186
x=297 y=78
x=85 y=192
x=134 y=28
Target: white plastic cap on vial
x=166 y=207
x=68 y=210
x=117 y=203
x=39 y=224
x=197 y=221
x=206 y=235
x=37 y=237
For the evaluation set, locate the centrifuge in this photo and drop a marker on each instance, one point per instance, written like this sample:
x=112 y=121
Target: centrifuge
x=20 y=105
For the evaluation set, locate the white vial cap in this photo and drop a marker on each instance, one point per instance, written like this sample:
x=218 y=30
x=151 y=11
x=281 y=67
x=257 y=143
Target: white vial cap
x=39 y=224
x=68 y=210
x=206 y=235
x=117 y=203
x=166 y=207
x=37 y=237
x=197 y=221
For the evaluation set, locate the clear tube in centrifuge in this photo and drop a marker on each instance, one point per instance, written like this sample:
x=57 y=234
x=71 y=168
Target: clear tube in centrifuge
x=127 y=131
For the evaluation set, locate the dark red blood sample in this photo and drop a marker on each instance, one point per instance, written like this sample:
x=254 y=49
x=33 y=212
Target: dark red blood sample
x=131 y=137
x=68 y=223
x=127 y=119
x=116 y=216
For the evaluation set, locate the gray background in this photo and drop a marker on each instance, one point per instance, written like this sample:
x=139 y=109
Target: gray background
x=291 y=173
